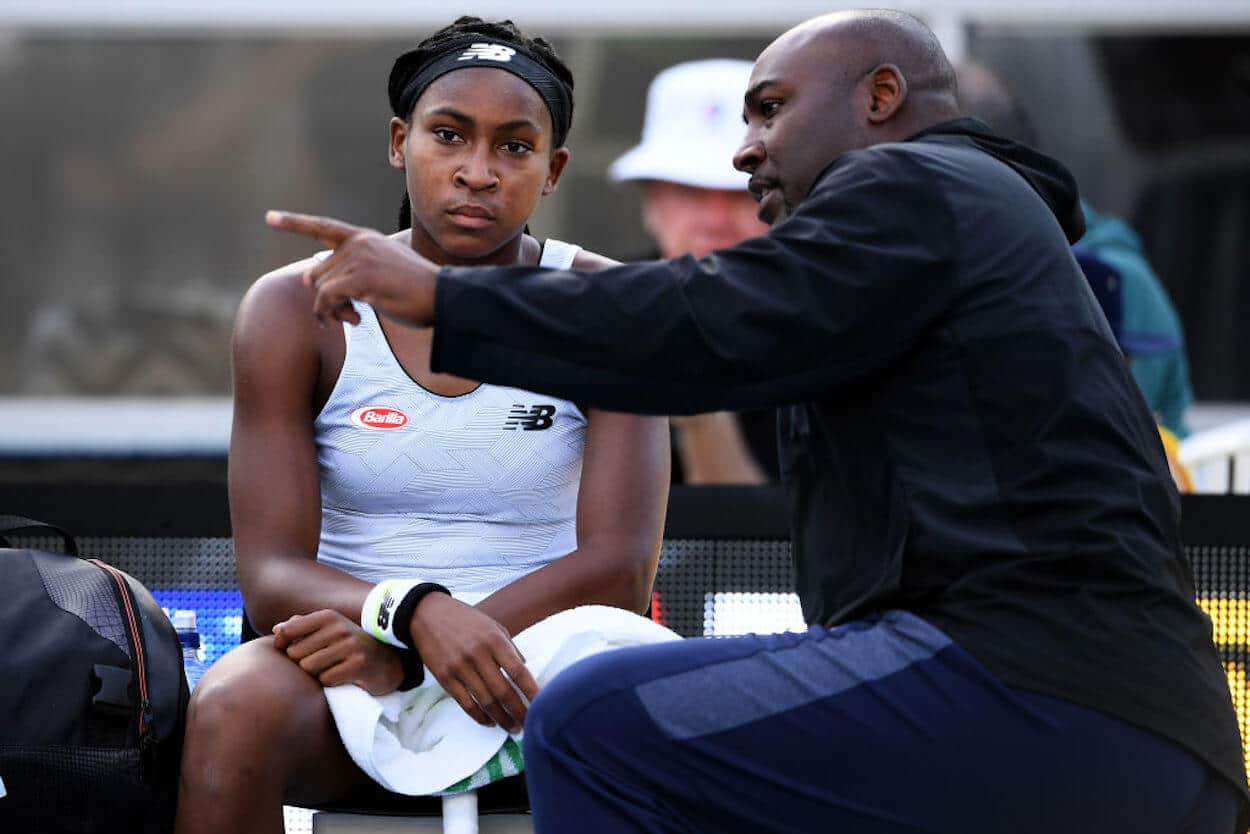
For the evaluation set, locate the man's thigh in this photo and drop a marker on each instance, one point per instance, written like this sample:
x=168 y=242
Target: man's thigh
x=878 y=726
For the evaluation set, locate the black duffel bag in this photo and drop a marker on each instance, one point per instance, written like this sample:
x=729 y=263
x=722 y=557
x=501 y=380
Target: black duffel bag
x=93 y=698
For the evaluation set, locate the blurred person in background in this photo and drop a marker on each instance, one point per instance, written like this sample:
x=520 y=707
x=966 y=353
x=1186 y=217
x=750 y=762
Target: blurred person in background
x=1108 y=286
x=1150 y=329
x=366 y=490
x=694 y=202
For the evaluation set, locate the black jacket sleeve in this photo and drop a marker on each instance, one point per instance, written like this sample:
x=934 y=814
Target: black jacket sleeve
x=847 y=283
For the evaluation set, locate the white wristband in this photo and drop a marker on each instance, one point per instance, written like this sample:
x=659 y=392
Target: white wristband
x=377 y=615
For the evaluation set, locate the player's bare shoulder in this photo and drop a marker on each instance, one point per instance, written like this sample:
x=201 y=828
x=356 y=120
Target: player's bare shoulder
x=277 y=311
x=278 y=296
x=593 y=262
x=284 y=288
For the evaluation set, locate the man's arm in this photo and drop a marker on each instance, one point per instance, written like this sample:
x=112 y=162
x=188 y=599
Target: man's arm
x=841 y=288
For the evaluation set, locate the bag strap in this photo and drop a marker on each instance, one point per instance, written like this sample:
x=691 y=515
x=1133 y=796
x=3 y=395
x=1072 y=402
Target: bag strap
x=20 y=525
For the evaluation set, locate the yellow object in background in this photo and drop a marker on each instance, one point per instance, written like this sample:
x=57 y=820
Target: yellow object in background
x=1230 y=627
x=1180 y=472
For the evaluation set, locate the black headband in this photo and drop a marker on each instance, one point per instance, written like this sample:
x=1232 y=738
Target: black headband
x=477 y=51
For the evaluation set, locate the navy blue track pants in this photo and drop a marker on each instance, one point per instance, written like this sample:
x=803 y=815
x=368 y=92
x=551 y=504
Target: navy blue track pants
x=883 y=725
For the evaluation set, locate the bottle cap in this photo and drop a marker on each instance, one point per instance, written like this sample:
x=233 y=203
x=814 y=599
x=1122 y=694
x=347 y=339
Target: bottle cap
x=184 y=620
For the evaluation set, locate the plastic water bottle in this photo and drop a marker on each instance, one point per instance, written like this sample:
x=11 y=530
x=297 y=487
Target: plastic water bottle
x=189 y=637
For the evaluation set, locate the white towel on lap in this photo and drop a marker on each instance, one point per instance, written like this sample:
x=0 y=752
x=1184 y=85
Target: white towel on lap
x=421 y=742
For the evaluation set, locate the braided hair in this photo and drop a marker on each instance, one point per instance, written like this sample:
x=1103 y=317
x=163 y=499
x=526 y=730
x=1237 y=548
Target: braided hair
x=504 y=31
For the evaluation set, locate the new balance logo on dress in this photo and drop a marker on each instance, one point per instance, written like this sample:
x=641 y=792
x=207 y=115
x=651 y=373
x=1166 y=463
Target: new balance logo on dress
x=535 y=418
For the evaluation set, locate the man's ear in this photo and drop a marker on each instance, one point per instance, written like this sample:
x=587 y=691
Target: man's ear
x=887 y=90
x=555 y=169
x=399 y=135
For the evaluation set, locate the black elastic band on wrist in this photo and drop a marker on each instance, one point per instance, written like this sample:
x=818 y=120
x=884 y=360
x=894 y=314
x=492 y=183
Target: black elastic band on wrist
x=414 y=669
x=402 y=626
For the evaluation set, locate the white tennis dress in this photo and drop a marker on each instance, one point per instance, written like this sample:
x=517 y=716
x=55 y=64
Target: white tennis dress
x=472 y=492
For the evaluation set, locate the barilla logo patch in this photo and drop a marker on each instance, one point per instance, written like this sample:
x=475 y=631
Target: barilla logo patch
x=379 y=417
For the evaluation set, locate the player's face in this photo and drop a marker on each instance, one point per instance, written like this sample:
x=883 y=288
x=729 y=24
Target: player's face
x=685 y=220
x=477 y=152
x=800 y=115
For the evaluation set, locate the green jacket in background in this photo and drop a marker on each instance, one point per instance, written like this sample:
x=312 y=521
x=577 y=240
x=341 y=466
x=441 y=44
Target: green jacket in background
x=1152 y=334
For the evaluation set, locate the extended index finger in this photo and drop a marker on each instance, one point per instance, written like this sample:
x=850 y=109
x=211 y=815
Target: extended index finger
x=330 y=232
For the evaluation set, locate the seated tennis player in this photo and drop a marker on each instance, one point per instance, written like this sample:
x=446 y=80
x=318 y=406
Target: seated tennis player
x=363 y=483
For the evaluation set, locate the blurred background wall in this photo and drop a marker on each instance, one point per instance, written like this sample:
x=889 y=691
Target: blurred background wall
x=142 y=141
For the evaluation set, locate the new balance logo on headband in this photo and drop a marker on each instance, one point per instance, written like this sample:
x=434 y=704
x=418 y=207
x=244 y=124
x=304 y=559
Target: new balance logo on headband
x=532 y=419
x=487 y=52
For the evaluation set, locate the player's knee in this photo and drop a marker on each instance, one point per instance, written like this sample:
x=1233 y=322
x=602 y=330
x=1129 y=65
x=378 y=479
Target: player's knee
x=247 y=701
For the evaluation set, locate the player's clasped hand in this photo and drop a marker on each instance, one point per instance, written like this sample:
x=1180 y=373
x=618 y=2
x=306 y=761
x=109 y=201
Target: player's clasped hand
x=384 y=272
x=473 y=657
x=335 y=650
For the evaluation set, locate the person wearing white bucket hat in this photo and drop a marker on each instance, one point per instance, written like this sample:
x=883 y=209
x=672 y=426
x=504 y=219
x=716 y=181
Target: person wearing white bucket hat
x=692 y=127
x=695 y=202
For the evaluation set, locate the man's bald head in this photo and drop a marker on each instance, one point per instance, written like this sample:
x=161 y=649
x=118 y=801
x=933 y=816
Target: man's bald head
x=858 y=41
x=837 y=83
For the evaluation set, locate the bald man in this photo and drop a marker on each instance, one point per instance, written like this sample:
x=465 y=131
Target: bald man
x=1003 y=633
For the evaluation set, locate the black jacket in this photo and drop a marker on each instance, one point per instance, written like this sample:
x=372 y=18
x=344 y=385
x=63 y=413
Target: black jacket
x=960 y=435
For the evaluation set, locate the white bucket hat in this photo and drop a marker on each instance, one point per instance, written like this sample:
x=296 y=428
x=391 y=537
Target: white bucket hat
x=692 y=127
